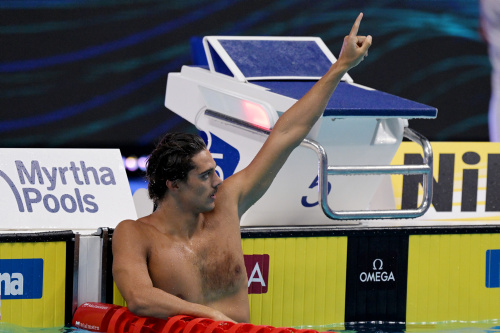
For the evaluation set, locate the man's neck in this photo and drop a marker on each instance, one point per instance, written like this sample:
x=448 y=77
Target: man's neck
x=176 y=221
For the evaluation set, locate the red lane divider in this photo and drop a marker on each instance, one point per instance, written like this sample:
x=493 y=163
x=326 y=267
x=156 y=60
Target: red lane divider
x=219 y=327
x=109 y=318
x=120 y=321
x=176 y=324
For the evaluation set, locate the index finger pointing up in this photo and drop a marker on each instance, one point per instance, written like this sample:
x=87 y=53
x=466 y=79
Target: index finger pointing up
x=355 y=27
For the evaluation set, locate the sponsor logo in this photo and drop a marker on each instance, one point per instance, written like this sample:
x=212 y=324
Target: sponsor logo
x=378 y=271
x=443 y=188
x=492 y=269
x=377 y=274
x=21 y=278
x=38 y=183
x=86 y=326
x=226 y=156
x=97 y=306
x=257 y=266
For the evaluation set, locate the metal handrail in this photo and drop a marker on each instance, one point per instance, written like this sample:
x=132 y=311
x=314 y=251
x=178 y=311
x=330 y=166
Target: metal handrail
x=324 y=170
x=425 y=169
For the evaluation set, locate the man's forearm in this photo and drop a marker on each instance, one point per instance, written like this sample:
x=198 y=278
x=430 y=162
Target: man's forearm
x=302 y=116
x=159 y=304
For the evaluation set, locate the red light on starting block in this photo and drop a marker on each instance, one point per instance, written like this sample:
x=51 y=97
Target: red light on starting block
x=256 y=114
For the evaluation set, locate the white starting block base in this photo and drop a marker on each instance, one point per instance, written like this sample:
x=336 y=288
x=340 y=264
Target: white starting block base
x=293 y=196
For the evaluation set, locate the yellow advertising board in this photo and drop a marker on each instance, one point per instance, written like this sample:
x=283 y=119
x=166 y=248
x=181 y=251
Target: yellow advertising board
x=453 y=277
x=466 y=181
x=305 y=283
x=33 y=283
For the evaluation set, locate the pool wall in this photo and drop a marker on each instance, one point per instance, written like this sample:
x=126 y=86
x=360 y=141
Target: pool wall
x=402 y=275
x=298 y=276
x=407 y=275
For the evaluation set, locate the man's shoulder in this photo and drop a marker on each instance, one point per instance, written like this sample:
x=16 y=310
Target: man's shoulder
x=127 y=224
x=133 y=234
x=131 y=228
x=231 y=186
x=236 y=190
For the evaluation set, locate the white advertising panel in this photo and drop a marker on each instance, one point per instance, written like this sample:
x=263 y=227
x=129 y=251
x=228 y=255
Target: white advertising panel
x=63 y=189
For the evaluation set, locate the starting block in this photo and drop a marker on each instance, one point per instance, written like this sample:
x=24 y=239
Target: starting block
x=251 y=81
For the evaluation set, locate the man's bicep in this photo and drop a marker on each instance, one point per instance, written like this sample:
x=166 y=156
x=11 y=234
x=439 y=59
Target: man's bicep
x=130 y=270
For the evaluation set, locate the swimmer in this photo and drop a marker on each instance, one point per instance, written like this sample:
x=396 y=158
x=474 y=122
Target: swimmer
x=186 y=257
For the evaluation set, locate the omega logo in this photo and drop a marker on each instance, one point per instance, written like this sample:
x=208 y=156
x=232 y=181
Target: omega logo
x=377 y=275
x=375 y=264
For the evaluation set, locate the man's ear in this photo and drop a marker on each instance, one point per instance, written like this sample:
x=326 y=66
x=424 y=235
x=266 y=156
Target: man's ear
x=172 y=185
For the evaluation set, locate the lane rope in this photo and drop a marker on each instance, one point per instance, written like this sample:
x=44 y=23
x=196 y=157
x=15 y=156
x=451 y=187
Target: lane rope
x=110 y=318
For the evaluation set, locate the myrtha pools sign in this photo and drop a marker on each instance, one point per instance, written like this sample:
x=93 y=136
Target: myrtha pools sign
x=63 y=189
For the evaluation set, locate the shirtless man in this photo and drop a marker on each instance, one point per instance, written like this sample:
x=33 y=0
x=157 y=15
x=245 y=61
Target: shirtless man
x=186 y=257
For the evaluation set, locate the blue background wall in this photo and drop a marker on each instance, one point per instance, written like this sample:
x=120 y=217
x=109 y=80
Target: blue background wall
x=92 y=73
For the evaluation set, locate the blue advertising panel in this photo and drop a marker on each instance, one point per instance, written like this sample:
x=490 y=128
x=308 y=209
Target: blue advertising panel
x=21 y=278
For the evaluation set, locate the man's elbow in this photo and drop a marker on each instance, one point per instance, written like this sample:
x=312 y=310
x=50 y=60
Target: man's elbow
x=137 y=303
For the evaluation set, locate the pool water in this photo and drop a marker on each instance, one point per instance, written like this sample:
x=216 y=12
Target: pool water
x=365 y=328
x=425 y=328
x=10 y=328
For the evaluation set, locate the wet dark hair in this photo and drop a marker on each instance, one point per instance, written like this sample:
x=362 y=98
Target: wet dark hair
x=171 y=160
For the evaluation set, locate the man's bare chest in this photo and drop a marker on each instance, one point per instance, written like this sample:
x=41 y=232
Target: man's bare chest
x=202 y=271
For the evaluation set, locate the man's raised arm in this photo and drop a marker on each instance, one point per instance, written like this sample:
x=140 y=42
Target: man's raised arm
x=293 y=126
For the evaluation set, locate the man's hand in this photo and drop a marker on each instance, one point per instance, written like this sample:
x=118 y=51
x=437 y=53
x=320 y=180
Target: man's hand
x=355 y=48
x=219 y=316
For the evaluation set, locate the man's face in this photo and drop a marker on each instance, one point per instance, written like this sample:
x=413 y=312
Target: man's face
x=198 y=191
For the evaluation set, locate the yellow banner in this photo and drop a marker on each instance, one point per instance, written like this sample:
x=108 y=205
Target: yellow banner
x=453 y=278
x=33 y=282
x=306 y=284
x=466 y=180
